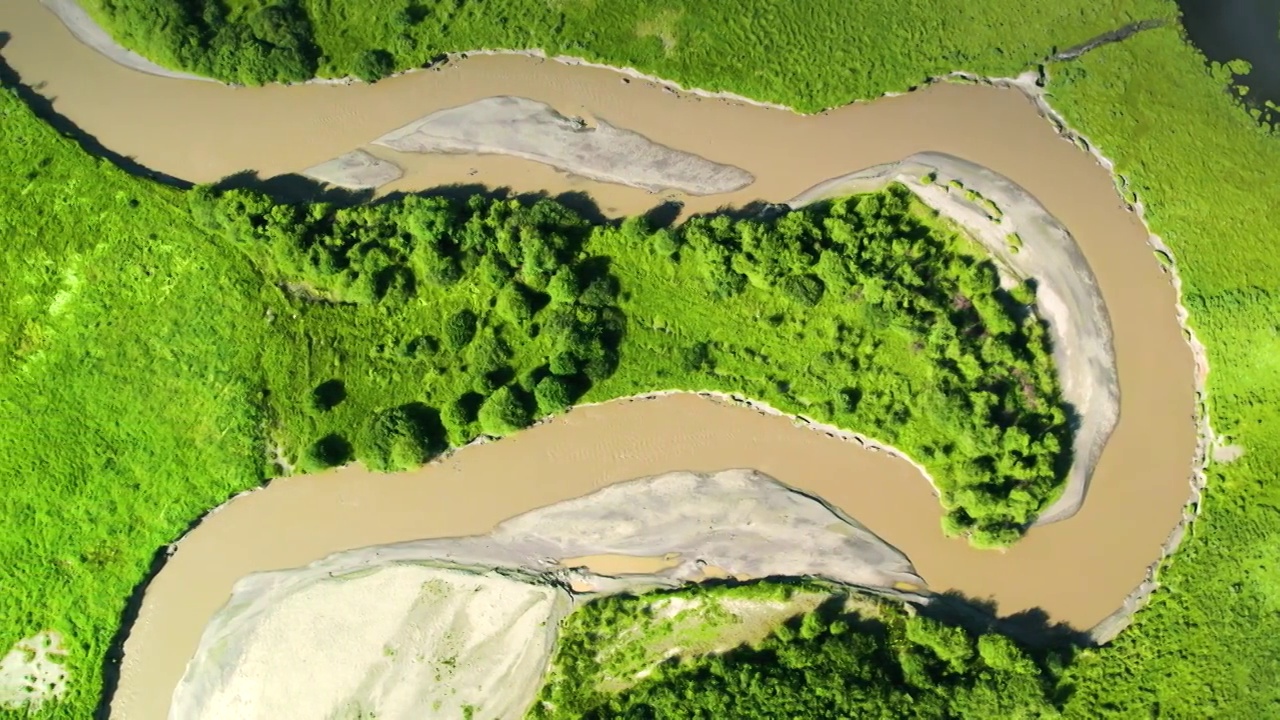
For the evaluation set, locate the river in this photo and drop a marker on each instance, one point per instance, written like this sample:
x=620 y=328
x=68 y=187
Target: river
x=1077 y=571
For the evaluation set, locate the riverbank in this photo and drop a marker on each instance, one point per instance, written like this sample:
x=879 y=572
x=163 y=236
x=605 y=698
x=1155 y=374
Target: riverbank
x=484 y=611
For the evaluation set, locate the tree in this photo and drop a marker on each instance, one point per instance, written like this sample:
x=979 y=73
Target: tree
x=460 y=328
x=804 y=289
x=553 y=394
x=373 y=65
x=665 y=242
x=564 y=286
x=459 y=419
x=515 y=306
x=329 y=451
x=399 y=438
x=504 y=412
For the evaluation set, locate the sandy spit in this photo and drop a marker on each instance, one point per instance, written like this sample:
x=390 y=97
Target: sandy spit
x=428 y=628
x=533 y=130
x=356 y=170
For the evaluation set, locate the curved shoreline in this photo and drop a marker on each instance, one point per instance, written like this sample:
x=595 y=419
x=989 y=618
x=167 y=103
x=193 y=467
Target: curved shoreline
x=87 y=30
x=1067 y=294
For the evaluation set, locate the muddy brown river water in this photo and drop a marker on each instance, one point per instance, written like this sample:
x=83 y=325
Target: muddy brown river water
x=1078 y=571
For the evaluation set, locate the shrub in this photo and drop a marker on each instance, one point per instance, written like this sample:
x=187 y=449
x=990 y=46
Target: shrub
x=554 y=394
x=327 y=452
x=515 y=305
x=504 y=412
x=564 y=286
x=804 y=289
x=373 y=65
x=665 y=242
x=401 y=438
x=460 y=328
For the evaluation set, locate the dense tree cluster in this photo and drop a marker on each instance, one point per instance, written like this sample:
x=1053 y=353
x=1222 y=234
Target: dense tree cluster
x=989 y=354
x=897 y=664
x=520 y=304
x=515 y=307
x=271 y=42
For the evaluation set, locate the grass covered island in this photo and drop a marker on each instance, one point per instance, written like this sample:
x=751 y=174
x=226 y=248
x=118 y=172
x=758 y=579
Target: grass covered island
x=130 y=399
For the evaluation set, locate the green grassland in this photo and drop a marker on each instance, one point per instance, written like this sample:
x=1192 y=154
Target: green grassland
x=807 y=53
x=139 y=384
x=1211 y=637
x=130 y=387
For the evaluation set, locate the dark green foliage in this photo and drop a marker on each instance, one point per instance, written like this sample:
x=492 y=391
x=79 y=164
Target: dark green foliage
x=373 y=65
x=818 y=665
x=515 y=305
x=804 y=289
x=270 y=42
x=459 y=418
x=504 y=412
x=564 y=286
x=554 y=394
x=400 y=438
x=329 y=451
x=460 y=329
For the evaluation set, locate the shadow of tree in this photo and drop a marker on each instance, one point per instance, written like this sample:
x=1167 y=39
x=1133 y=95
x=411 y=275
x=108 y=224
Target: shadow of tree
x=43 y=107
x=1032 y=627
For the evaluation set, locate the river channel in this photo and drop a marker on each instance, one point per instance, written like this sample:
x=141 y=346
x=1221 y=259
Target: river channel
x=1078 y=571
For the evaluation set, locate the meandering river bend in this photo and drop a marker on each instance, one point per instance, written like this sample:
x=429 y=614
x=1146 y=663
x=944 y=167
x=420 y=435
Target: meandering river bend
x=1078 y=571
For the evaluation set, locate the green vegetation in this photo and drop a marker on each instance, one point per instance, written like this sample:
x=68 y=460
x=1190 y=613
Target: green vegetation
x=1206 y=173
x=858 y=50
x=130 y=388
x=862 y=314
x=769 y=651
x=126 y=322
x=167 y=360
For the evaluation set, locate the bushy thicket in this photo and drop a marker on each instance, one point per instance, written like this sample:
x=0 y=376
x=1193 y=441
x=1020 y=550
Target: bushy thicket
x=500 y=294
x=924 y=350
x=516 y=311
x=272 y=42
x=823 y=664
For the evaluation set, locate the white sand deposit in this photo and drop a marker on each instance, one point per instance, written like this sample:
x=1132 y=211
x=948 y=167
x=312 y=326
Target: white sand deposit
x=429 y=628
x=89 y=32
x=1067 y=294
x=356 y=170
x=31 y=673
x=741 y=521
x=399 y=641
x=534 y=131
